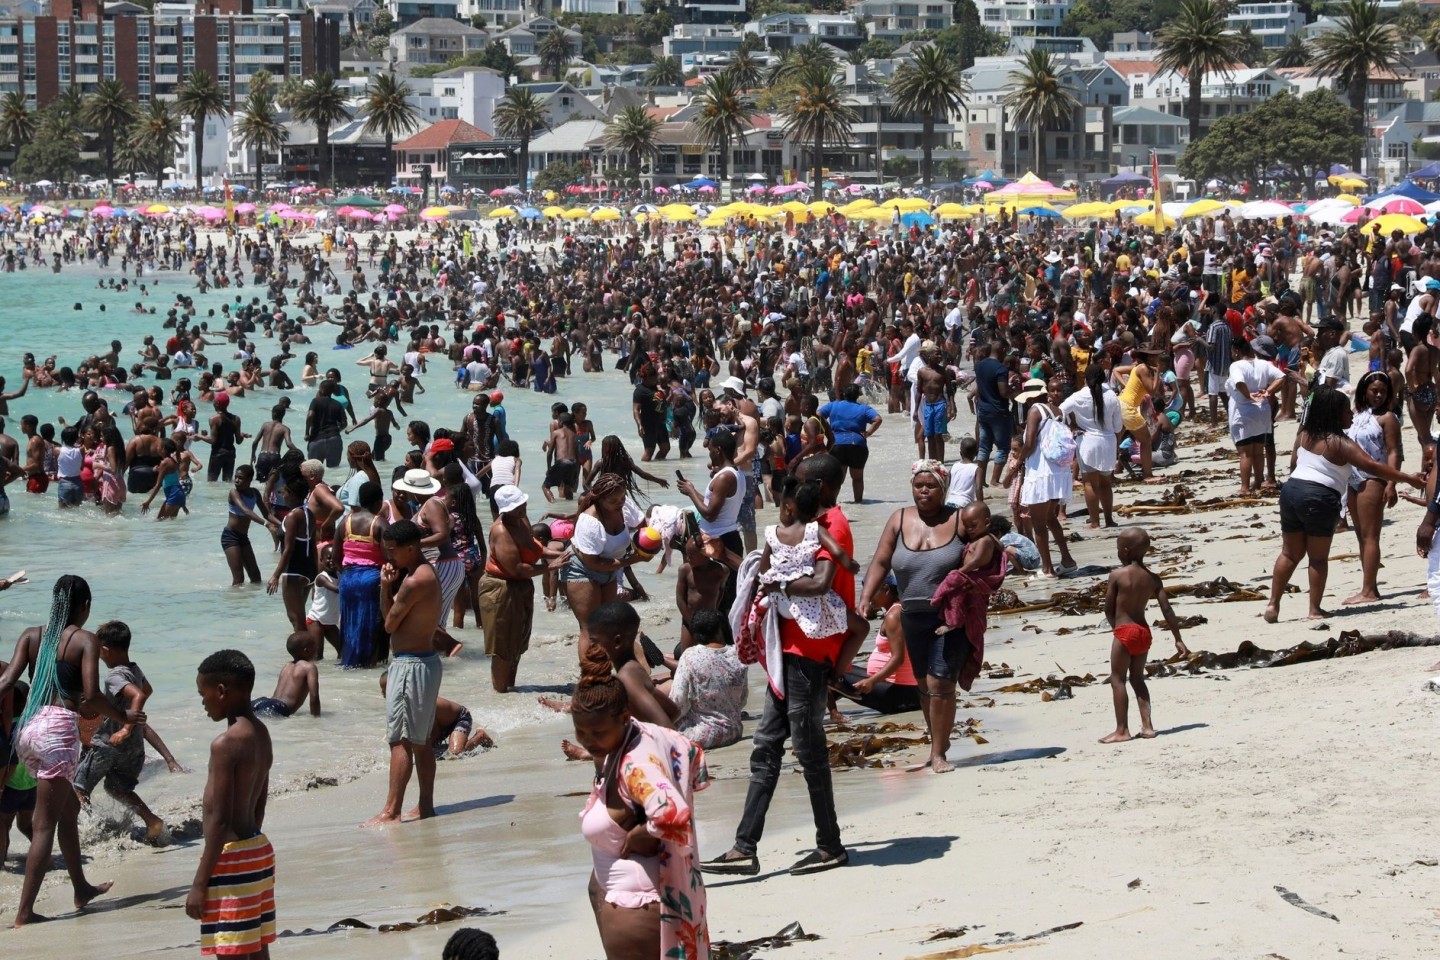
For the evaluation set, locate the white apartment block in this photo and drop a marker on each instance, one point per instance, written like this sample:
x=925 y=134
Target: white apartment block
x=893 y=20
x=1022 y=18
x=1273 y=23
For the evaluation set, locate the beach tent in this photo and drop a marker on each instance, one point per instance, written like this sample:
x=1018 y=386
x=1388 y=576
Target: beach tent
x=1124 y=178
x=357 y=200
x=1406 y=189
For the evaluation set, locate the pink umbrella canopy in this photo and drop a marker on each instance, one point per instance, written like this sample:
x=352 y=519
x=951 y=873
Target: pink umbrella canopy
x=209 y=213
x=345 y=211
x=103 y=212
x=757 y=188
x=1353 y=216
x=1399 y=205
x=394 y=209
x=497 y=193
x=662 y=189
x=357 y=214
x=984 y=185
x=244 y=208
x=707 y=189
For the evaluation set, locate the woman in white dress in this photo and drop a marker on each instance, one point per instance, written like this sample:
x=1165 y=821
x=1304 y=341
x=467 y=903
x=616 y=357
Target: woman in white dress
x=1095 y=411
x=1047 y=483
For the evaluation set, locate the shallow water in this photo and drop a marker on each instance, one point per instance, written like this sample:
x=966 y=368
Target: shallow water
x=169 y=581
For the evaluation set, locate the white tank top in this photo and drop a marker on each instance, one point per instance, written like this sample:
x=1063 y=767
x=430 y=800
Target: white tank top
x=728 y=518
x=1314 y=468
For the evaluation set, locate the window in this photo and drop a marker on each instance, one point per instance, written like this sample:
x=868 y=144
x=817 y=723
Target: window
x=990 y=142
x=1397 y=151
x=1138 y=90
x=1115 y=99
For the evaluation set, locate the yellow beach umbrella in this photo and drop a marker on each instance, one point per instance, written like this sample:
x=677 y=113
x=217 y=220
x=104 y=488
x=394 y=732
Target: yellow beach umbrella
x=1348 y=183
x=678 y=215
x=434 y=213
x=1203 y=208
x=855 y=206
x=554 y=211
x=157 y=208
x=795 y=207
x=953 y=211
x=1155 y=219
x=1395 y=221
x=1350 y=198
x=714 y=221
x=670 y=208
x=822 y=208
x=877 y=214
x=550 y=195
x=502 y=213
x=604 y=214
x=1079 y=211
x=576 y=213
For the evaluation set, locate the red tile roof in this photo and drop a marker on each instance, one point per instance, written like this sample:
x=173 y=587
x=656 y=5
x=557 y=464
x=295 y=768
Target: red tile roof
x=439 y=136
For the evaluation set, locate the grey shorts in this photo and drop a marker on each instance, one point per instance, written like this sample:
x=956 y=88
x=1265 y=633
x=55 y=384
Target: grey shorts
x=412 y=685
x=117 y=767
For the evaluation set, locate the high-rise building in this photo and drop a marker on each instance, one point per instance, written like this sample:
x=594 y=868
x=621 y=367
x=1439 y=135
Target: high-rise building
x=83 y=42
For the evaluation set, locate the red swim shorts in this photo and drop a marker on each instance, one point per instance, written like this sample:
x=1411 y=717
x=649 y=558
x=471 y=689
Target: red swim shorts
x=1135 y=637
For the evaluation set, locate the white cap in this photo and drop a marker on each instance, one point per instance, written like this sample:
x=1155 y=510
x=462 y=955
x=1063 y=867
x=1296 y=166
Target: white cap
x=510 y=497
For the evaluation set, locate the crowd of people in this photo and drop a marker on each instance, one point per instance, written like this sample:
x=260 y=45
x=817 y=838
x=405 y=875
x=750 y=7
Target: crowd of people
x=1022 y=364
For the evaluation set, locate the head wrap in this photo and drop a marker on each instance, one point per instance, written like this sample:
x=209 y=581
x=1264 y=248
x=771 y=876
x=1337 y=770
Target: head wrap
x=937 y=467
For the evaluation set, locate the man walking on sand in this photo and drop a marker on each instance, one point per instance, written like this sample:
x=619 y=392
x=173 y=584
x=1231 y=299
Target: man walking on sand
x=410 y=604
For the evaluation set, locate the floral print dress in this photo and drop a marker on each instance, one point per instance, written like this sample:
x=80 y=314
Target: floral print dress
x=660 y=773
x=710 y=688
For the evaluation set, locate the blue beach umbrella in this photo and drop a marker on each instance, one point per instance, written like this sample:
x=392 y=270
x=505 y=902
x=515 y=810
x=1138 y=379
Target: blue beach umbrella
x=530 y=213
x=918 y=218
x=1039 y=212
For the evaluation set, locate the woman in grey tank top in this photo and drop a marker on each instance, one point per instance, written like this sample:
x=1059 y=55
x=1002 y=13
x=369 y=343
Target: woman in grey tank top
x=921 y=545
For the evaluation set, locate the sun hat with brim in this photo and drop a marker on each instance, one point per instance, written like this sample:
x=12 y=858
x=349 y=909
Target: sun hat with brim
x=509 y=497
x=734 y=385
x=1032 y=389
x=417 y=481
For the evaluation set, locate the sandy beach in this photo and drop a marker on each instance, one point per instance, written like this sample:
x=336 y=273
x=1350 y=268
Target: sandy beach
x=1307 y=778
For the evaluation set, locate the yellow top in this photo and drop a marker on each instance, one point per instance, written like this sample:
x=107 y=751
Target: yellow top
x=1134 y=390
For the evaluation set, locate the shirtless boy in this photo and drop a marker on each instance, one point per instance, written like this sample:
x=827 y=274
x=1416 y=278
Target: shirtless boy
x=700 y=584
x=1130 y=590
x=410 y=604
x=236 y=876
x=930 y=382
x=299 y=680
x=564 y=448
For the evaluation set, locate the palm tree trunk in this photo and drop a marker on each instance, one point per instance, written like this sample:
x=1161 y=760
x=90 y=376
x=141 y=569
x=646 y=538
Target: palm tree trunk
x=819 y=162
x=524 y=163
x=110 y=160
x=1037 y=149
x=390 y=152
x=1356 y=96
x=259 y=170
x=1193 y=106
x=927 y=143
x=199 y=134
x=324 y=140
x=724 y=157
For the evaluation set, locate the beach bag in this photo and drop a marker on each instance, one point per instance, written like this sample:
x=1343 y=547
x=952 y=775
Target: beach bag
x=1057 y=444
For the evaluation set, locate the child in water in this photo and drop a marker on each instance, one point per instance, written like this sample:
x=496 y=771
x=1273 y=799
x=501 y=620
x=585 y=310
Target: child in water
x=1129 y=591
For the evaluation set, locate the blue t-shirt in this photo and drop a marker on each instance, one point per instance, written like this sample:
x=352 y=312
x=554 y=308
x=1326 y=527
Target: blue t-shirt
x=848 y=420
x=989 y=402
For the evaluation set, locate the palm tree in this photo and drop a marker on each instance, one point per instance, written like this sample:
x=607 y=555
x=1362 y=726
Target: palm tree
x=633 y=132
x=517 y=116
x=665 y=72
x=1196 y=42
x=745 y=70
x=1358 y=45
x=555 y=53
x=389 y=110
x=724 y=115
x=819 y=113
x=322 y=103
x=258 y=126
x=200 y=98
x=798 y=60
x=69 y=104
x=291 y=89
x=932 y=84
x=156 y=136
x=109 y=110
x=17 y=121
x=1293 y=54
x=1039 y=99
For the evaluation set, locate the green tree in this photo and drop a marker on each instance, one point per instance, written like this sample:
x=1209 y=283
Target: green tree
x=634 y=133
x=652 y=28
x=933 y=86
x=1252 y=48
x=1198 y=42
x=724 y=115
x=258 y=126
x=967 y=38
x=1356 y=47
x=389 y=111
x=899 y=167
x=48 y=158
x=517 y=116
x=109 y=111
x=745 y=70
x=751 y=43
x=555 y=54
x=498 y=58
x=871 y=50
x=200 y=98
x=665 y=72
x=1293 y=54
x=558 y=176
x=1039 y=99
x=70 y=104
x=1307 y=134
x=382 y=24
x=156 y=136
x=819 y=113
x=17 y=121
x=322 y=103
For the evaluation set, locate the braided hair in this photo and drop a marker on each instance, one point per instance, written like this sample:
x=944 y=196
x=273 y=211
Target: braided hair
x=470 y=943
x=599 y=695
x=71 y=593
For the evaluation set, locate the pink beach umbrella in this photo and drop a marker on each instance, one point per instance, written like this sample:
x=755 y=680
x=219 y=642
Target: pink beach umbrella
x=394 y=209
x=983 y=186
x=707 y=190
x=662 y=190
x=244 y=208
x=1353 y=216
x=497 y=193
x=103 y=212
x=209 y=213
x=756 y=188
x=1399 y=205
x=358 y=214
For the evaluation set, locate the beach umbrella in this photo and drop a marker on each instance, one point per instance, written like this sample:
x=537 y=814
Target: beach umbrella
x=855 y=206
x=553 y=211
x=1034 y=188
x=531 y=213
x=395 y=208
x=245 y=208
x=795 y=207
x=1348 y=183
x=1050 y=212
x=675 y=216
x=209 y=213
x=755 y=188
x=1203 y=208
x=955 y=211
x=497 y=192
x=360 y=215
x=1174 y=208
x=918 y=218
x=605 y=214
x=662 y=191
x=1398 y=205
x=644 y=208
x=713 y=221
x=1347 y=197
x=1154 y=219
x=103 y=213
x=434 y=213
x=1396 y=221
x=499 y=213
x=1264 y=210
x=822 y=208
x=1080 y=211
x=576 y=213
x=154 y=210
x=360 y=200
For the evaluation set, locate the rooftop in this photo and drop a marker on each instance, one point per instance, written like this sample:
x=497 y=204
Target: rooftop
x=439 y=136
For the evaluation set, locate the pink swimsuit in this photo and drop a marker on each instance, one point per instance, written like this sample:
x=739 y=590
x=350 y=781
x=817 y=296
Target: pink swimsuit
x=628 y=883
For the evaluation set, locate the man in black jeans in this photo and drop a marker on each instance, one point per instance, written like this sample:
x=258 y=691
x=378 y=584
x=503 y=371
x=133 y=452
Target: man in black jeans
x=323 y=423
x=799 y=716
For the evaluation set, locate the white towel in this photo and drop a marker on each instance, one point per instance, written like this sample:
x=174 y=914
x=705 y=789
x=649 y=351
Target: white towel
x=747 y=580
